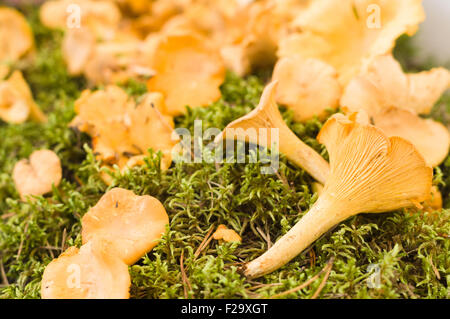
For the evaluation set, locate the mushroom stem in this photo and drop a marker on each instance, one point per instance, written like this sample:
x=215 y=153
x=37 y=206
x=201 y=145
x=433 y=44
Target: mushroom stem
x=302 y=155
x=267 y=116
x=322 y=216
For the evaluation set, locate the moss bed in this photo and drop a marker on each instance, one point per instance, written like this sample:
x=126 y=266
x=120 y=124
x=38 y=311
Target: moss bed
x=411 y=248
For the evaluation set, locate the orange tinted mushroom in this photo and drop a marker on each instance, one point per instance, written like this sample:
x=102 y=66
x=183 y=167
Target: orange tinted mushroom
x=37 y=176
x=131 y=225
x=349 y=34
x=226 y=234
x=63 y=14
x=308 y=87
x=431 y=138
x=120 y=129
x=265 y=118
x=16 y=101
x=188 y=72
x=91 y=272
x=16 y=37
x=384 y=84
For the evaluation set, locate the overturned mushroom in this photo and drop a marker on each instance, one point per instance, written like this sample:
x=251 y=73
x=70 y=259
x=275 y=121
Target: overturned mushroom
x=384 y=84
x=91 y=272
x=16 y=101
x=369 y=173
x=121 y=129
x=266 y=117
x=225 y=234
x=188 y=72
x=349 y=34
x=37 y=176
x=308 y=87
x=16 y=37
x=431 y=138
x=130 y=225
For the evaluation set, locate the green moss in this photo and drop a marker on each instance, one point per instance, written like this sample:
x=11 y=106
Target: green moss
x=411 y=249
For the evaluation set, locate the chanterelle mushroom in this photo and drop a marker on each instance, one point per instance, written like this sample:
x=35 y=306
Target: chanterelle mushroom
x=66 y=14
x=131 y=225
x=16 y=101
x=226 y=234
x=431 y=138
x=37 y=175
x=369 y=173
x=266 y=117
x=384 y=84
x=188 y=72
x=91 y=272
x=348 y=34
x=16 y=37
x=121 y=129
x=308 y=87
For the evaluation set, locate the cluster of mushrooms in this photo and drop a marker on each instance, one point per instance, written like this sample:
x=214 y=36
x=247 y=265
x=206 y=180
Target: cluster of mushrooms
x=327 y=55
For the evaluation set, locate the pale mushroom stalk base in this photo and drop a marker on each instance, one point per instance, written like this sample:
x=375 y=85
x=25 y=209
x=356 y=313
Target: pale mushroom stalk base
x=324 y=214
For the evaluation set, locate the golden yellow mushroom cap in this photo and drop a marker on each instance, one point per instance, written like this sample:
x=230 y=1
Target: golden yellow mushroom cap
x=370 y=172
x=66 y=14
x=349 y=34
x=188 y=72
x=121 y=129
x=309 y=87
x=226 y=234
x=16 y=37
x=91 y=272
x=384 y=84
x=431 y=138
x=16 y=101
x=130 y=225
x=38 y=174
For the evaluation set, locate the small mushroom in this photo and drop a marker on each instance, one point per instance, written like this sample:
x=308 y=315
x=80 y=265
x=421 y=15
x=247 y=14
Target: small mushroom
x=37 y=176
x=131 y=225
x=188 y=72
x=16 y=37
x=266 y=117
x=431 y=138
x=16 y=101
x=225 y=234
x=309 y=87
x=349 y=34
x=91 y=272
x=433 y=204
x=384 y=84
x=369 y=173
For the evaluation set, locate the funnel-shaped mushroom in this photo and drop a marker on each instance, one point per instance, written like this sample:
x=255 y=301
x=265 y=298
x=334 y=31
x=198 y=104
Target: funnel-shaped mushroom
x=130 y=225
x=369 y=173
x=266 y=117
x=16 y=101
x=16 y=37
x=384 y=84
x=188 y=72
x=37 y=176
x=308 y=87
x=348 y=34
x=91 y=272
x=431 y=138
